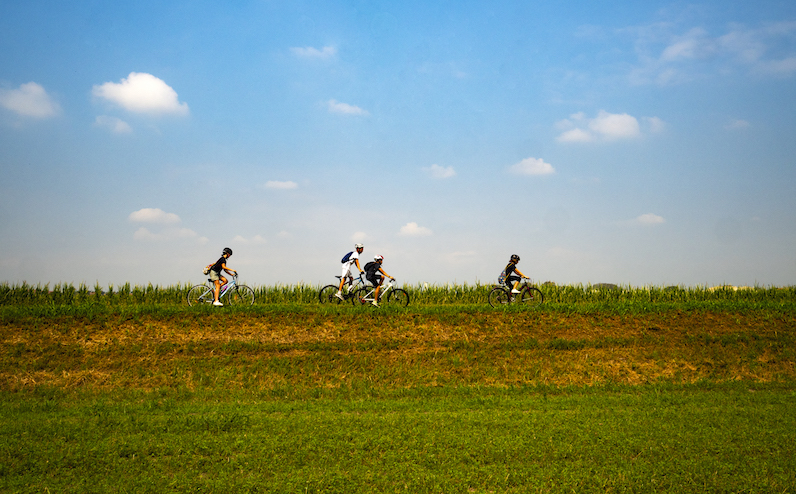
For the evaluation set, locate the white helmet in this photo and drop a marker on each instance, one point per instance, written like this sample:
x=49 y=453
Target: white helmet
x=378 y=258
x=359 y=246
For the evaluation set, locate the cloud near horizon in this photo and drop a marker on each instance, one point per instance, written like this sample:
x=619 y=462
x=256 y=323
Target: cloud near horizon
x=280 y=185
x=532 y=166
x=649 y=219
x=412 y=229
x=440 y=172
x=30 y=100
x=154 y=215
x=142 y=93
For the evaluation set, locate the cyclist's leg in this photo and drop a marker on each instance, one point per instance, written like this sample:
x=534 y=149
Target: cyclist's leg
x=345 y=274
x=511 y=283
x=378 y=281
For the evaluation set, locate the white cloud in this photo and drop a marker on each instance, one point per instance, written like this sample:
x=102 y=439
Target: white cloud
x=412 y=229
x=276 y=184
x=737 y=124
x=604 y=127
x=113 y=124
x=649 y=219
x=532 y=166
x=345 y=109
x=667 y=57
x=154 y=215
x=257 y=240
x=142 y=93
x=359 y=237
x=310 y=52
x=436 y=171
x=30 y=100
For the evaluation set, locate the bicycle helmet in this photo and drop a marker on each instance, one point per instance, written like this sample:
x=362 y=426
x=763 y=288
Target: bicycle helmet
x=378 y=258
x=227 y=250
x=515 y=258
x=359 y=246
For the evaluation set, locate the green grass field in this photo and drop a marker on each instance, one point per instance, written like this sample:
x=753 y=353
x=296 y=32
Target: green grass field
x=626 y=390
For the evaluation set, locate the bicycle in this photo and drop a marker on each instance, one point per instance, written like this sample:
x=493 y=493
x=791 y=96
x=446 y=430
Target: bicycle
x=389 y=295
x=232 y=293
x=529 y=295
x=327 y=293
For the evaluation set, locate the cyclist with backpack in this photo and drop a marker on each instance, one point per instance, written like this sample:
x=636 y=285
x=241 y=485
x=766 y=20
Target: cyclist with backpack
x=215 y=274
x=350 y=259
x=507 y=278
x=374 y=273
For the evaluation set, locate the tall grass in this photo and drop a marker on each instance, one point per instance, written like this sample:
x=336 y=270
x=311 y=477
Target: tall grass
x=420 y=294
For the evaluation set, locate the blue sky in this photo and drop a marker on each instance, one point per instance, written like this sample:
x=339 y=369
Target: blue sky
x=621 y=142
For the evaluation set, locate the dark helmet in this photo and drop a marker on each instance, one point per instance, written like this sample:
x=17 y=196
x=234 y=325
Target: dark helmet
x=227 y=250
x=515 y=258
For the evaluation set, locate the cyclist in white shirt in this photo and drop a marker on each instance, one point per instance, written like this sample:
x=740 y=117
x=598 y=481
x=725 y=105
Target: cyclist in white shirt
x=353 y=259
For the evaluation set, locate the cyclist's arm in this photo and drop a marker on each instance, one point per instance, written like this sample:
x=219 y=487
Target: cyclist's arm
x=228 y=270
x=519 y=272
x=356 y=261
x=385 y=274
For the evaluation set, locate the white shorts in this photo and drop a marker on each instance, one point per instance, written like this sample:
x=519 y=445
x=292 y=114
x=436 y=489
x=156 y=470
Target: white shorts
x=346 y=269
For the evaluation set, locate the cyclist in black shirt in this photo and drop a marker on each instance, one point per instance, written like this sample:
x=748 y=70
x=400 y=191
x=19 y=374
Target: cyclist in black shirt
x=215 y=274
x=372 y=270
x=507 y=278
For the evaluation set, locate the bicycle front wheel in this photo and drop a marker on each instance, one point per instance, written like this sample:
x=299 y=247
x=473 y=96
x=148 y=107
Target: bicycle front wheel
x=200 y=294
x=498 y=297
x=241 y=295
x=327 y=295
x=398 y=298
x=531 y=296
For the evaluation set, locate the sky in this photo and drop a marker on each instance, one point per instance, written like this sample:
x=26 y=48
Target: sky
x=626 y=142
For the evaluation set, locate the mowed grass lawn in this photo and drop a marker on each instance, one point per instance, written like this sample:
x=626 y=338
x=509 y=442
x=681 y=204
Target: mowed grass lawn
x=293 y=399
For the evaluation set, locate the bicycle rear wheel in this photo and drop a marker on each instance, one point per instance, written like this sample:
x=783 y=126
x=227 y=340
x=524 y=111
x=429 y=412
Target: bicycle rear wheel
x=326 y=295
x=397 y=298
x=200 y=294
x=498 y=297
x=359 y=296
x=241 y=295
x=531 y=296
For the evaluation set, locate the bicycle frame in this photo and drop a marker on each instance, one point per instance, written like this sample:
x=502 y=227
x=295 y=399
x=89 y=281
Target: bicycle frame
x=385 y=287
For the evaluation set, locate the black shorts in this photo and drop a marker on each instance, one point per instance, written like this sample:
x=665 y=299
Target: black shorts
x=375 y=280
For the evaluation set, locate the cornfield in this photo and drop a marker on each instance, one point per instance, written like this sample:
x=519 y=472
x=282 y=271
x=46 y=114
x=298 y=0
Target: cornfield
x=420 y=294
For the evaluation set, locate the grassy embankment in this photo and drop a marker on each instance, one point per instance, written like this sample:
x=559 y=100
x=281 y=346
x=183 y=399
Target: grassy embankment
x=599 y=392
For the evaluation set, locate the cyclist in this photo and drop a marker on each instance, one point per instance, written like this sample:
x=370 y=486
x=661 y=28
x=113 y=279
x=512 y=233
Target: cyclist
x=507 y=277
x=217 y=278
x=372 y=270
x=349 y=259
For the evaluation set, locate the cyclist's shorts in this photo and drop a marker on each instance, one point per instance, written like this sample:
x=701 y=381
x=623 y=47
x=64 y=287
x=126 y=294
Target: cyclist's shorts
x=375 y=280
x=213 y=276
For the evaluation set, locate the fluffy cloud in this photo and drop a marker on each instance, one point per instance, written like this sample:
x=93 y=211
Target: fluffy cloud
x=30 y=100
x=310 y=52
x=276 y=184
x=532 y=166
x=737 y=124
x=412 y=229
x=604 y=127
x=344 y=108
x=436 y=171
x=142 y=93
x=154 y=215
x=113 y=124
